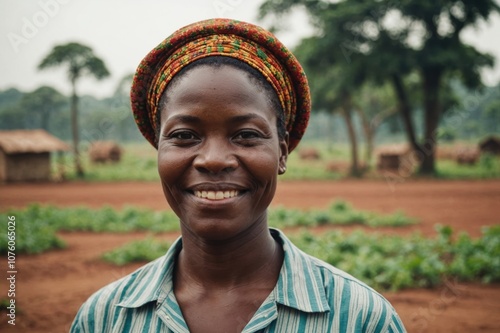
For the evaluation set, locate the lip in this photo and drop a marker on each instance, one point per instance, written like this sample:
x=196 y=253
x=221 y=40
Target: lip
x=219 y=186
x=216 y=187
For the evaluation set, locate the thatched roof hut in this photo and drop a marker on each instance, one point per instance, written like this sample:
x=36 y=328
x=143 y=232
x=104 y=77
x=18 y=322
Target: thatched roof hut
x=490 y=145
x=105 y=151
x=25 y=154
x=390 y=157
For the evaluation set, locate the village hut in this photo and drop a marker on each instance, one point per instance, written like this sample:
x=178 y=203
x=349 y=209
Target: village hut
x=490 y=145
x=105 y=151
x=25 y=155
x=467 y=155
x=393 y=157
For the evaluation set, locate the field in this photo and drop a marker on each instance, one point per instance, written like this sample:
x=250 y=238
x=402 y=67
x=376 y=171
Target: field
x=139 y=164
x=52 y=286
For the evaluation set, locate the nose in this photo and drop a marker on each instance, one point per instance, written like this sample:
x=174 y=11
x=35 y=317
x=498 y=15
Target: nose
x=214 y=157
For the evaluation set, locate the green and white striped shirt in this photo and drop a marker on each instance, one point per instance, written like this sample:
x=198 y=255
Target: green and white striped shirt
x=310 y=296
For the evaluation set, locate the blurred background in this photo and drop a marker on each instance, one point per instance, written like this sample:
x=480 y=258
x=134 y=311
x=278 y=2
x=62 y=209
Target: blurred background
x=390 y=82
x=397 y=180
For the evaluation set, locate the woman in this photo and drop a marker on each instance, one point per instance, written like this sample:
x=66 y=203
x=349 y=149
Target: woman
x=224 y=103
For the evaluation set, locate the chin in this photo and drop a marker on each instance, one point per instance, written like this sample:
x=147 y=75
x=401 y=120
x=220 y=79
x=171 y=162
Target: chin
x=220 y=229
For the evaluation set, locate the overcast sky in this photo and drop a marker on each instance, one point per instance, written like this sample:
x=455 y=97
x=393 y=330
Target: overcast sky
x=122 y=32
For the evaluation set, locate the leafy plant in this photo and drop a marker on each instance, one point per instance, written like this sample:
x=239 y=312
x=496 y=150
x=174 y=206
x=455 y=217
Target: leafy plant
x=143 y=250
x=384 y=262
x=393 y=262
x=37 y=225
x=339 y=213
x=33 y=233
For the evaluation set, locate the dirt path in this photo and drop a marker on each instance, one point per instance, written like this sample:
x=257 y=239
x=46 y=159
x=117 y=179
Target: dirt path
x=52 y=286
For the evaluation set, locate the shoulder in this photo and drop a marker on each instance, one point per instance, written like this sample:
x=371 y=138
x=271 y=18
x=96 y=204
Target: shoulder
x=101 y=310
x=351 y=305
x=355 y=302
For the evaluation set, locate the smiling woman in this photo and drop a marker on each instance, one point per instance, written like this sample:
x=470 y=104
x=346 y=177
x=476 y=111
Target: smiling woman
x=224 y=102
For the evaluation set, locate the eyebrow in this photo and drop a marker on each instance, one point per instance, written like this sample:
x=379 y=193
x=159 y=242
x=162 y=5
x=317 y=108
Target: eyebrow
x=246 y=117
x=184 y=118
x=194 y=120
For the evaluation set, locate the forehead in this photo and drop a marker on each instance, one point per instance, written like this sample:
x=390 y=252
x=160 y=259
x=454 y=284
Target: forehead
x=222 y=88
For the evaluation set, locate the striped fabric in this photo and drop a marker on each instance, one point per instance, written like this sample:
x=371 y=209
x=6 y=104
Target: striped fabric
x=310 y=296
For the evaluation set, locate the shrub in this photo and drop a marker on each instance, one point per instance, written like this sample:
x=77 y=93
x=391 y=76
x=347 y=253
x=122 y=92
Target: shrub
x=143 y=250
x=33 y=234
x=393 y=262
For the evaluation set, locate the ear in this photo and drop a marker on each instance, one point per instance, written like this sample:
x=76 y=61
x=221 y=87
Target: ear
x=283 y=154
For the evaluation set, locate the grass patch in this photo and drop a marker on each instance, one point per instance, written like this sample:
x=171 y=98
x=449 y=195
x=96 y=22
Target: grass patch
x=487 y=167
x=393 y=262
x=139 y=164
x=37 y=225
x=338 y=213
x=142 y=250
x=105 y=219
x=33 y=234
x=384 y=262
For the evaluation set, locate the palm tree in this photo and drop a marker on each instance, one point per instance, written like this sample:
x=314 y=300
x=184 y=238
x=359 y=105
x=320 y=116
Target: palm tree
x=80 y=61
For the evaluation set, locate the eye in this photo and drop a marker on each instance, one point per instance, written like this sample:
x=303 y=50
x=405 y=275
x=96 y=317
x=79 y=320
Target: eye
x=248 y=138
x=247 y=135
x=182 y=137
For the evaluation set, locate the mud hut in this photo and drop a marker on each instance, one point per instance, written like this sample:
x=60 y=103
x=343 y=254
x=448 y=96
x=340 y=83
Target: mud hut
x=392 y=157
x=25 y=155
x=490 y=145
x=105 y=151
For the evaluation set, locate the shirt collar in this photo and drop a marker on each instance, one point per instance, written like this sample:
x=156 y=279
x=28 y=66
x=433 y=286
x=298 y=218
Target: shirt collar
x=299 y=285
x=154 y=282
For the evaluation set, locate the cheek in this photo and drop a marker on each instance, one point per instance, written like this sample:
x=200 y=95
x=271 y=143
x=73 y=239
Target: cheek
x=170 y=166
x=263 y=164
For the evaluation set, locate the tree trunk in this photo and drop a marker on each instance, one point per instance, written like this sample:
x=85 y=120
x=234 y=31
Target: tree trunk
x=74 y=129
x=431 y=80
x=405 y=111
x=346 y=113
x=368 y=133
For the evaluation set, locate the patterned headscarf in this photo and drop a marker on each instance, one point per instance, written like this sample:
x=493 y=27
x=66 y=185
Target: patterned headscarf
x=222 y=37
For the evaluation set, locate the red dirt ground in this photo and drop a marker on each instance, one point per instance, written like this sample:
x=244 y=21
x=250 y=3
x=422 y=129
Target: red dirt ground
x=51 y=287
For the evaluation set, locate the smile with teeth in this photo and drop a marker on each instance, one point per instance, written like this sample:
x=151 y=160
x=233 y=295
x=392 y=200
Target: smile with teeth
x=216 y=195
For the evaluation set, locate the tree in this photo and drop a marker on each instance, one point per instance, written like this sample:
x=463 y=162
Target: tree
x=79 y=61
x=10 y=97
x=41 y=103
x=332 y=90
x=121 y=110
x=389 y=40
x=11 y=116
x=374 y=104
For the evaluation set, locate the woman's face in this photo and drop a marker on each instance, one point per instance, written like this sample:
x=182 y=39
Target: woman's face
x=219 y=153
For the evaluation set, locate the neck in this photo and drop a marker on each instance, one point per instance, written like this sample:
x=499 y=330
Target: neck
x=229 y=264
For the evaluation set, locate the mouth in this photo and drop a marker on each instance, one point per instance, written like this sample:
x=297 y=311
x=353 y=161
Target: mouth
x=217 y=195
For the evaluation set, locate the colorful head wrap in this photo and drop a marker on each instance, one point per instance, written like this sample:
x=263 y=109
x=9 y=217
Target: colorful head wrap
x=222 y=37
